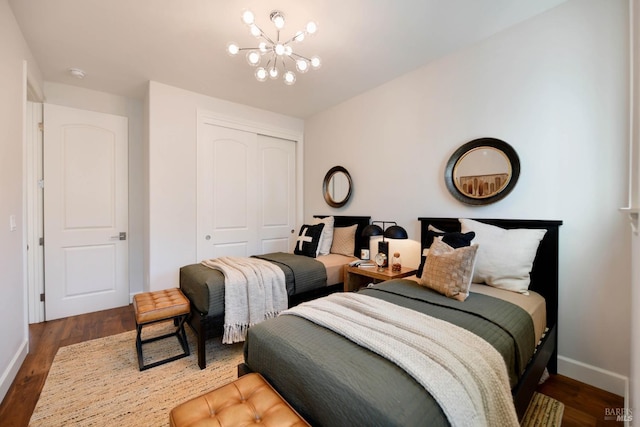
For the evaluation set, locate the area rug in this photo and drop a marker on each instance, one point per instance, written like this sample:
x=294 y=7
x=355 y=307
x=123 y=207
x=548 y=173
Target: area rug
x=97 y=383
x=543 y=411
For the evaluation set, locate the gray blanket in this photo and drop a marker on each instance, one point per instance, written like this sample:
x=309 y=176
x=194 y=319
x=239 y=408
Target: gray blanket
x=315 y=369
x=205 y=287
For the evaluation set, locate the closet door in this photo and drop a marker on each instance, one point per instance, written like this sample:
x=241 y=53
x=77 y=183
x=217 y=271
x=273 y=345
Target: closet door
x=276 y=192
x=227 y=192
x=246 y=193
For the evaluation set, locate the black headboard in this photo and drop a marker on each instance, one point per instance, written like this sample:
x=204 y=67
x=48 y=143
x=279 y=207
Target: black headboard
x=346 y=221
x=544 y=275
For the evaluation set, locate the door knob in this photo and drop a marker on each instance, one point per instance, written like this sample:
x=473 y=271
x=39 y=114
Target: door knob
x=121 y=236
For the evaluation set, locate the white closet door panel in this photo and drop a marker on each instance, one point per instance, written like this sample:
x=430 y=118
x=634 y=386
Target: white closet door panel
x=227 y=194
x=277 y=172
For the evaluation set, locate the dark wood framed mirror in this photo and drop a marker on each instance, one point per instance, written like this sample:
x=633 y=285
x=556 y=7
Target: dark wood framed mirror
x=337 y=186
x=482 y=171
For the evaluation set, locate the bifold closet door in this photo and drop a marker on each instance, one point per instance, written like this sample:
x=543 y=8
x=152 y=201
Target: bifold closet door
x=246 y=193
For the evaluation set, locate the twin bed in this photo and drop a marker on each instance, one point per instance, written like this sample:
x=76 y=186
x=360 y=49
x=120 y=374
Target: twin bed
x=306 y=278
x=331 y=380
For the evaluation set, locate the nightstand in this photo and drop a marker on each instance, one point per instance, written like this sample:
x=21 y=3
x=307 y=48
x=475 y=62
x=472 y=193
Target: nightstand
x=357 y=277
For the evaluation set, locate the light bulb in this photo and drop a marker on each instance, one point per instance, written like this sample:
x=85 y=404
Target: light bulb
x=315 y=62
x=288 y=50
x=247 y=17
x=278 y=21
x=312 y=27
x=289 y=78
x=299 y=36
x=262 y=46
x=279 y=49
x=261 y=74
x=273 y=72
x=302 y=65
x=233 y=49
x=253 y=58
x=255 y=31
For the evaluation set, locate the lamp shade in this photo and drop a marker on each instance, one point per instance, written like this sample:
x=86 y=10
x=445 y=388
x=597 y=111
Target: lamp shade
x=372 y=230
x=395 y=232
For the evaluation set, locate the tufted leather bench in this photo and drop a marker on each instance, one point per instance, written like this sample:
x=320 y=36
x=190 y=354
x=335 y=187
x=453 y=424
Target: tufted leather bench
x=247 y=401
x=159 y=306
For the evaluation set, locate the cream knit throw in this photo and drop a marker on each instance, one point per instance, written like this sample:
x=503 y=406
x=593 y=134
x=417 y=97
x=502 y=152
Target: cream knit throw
x=254 y=290
x=464 y=373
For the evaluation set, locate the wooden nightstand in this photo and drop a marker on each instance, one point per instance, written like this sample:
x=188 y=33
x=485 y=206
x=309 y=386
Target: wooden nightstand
x=357 y=277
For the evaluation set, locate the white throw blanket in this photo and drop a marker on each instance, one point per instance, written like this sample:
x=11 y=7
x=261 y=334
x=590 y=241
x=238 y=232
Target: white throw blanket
x=254 y=290
x=464 y=373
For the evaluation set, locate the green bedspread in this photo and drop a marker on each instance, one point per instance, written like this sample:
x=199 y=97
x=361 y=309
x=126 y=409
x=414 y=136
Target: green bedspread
x=332 y=381
x=204 y=286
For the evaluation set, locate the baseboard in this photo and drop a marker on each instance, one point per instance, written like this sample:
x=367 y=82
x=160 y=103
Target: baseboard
x=10 y=373
x=592 y=375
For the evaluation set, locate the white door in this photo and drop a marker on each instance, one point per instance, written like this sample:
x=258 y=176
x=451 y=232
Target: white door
x=246 y=193
x=276 y=192
x=85 y=211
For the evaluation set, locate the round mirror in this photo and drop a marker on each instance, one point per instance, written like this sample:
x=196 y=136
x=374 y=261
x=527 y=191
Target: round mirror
x=337 y=186
x=482 y=171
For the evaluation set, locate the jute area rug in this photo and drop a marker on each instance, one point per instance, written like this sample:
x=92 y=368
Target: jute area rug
x=97 y=383
x=543 y=411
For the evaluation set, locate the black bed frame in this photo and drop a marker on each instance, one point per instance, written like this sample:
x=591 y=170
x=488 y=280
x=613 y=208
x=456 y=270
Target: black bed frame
x=206 y=326
x=544 y=280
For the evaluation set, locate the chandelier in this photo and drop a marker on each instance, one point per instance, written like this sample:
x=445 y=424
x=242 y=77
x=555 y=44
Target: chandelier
x=274 y=57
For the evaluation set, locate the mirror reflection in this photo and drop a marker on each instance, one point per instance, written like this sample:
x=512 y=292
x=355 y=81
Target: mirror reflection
x=337 y=186
x=482 y=171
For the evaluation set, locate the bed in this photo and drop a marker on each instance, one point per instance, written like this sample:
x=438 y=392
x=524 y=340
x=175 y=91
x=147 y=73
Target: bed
x=204 y=287
x=330 y=380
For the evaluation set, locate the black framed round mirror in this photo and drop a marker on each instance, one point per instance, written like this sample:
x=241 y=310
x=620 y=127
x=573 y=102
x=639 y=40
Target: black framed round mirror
x=482 y=171
x=337 y=186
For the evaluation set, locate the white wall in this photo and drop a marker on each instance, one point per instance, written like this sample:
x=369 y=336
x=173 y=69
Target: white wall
x=13 y=304
x=554 y=87
x=634 y=201
x=91 y=100
x=171 y=190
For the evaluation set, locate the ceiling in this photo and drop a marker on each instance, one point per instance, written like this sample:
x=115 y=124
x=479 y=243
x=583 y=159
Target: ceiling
x=122 y=44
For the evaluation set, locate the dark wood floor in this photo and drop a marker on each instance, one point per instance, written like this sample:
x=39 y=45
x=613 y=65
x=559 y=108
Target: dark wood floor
x=584 y=405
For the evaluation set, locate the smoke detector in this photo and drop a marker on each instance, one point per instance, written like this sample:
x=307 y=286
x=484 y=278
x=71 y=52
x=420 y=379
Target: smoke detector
x=77 y=73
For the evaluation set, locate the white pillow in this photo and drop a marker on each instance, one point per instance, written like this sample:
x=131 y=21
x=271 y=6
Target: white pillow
x=326 y=239
x=505 y=257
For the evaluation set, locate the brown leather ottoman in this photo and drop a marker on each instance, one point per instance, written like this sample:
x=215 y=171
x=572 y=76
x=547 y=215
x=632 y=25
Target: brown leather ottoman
x=246 y=401
x=159 y=306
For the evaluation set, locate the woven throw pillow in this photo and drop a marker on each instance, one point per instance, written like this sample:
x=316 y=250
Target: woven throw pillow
x=454 y=239
x=505 y=257
x=308 y=240
x=344 y=240
x=326 y=239
x=449 y=271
